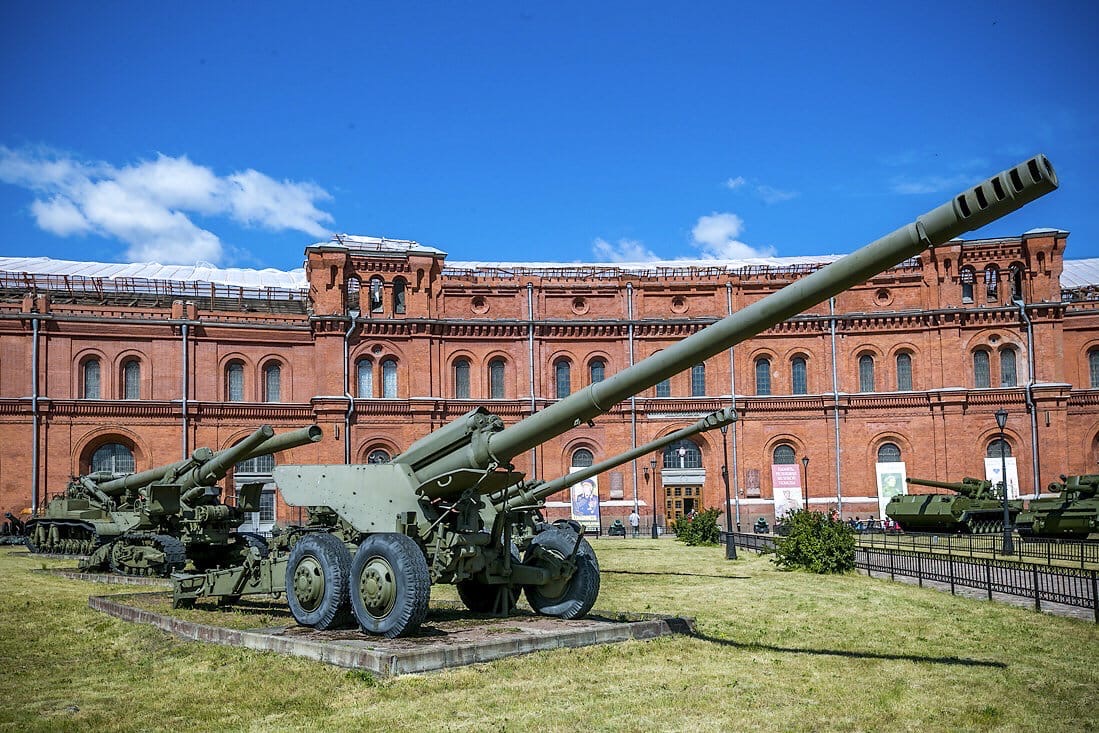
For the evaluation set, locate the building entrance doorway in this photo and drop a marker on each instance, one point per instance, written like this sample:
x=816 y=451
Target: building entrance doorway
x=681 y=500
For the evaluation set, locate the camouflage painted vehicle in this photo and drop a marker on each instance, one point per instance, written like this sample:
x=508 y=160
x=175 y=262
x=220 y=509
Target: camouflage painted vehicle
x=975 y=507
x=152 y=522
x=454 y=509
x=1072 y=515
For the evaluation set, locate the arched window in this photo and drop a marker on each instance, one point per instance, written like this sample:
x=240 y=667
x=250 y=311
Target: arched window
x=597 y=370
x=461 y=379
x=763 y=376
x=91 y=379
x=1093 y=368
x=399 y=289
x=582 y=458
x=683 y=453
x=378 y=456
x=113 y=457
x=992 y=283
x=562 y=371
x=698 y=380
x=784 y=455
x=664 y=388
x=866 y=373
x=1017 y=282
x=1008 y=376
x=259 y=464
x=968 y=277
x=799 y=379
x=904 y=372
x=496 y=390
x=364 y=378
x=389 y=378
x=998 y=447
x=889 y=453
x=982 y=376
x=131 y=380
x=272 y=382
x=354 y=285
x=376 y=289
x=234 y=382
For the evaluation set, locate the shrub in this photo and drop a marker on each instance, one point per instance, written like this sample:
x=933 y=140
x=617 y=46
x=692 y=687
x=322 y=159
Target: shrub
x=816 y=543
x=699 y=529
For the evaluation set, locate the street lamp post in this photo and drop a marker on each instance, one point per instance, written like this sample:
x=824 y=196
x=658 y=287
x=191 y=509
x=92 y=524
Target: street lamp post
x=652 y=465
x=805 y=479
x=730 y=543
x=1001 y=421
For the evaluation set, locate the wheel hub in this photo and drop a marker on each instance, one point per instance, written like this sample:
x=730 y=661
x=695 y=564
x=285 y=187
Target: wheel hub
x=309 y=584
x=377 y=588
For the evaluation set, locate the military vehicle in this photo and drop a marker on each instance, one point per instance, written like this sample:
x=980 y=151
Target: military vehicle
x=13 y=531
x=975 y=507
x=1072 y=515
x=396 y=528
x=150 y=523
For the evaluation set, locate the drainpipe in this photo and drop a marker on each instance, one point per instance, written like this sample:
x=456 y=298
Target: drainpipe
x=1030 y=396
x=186 y=360
x=530 y=376
x=351 y=316
x=836 y=406
x=732 y=403
x=34 y=415
x=633 y=398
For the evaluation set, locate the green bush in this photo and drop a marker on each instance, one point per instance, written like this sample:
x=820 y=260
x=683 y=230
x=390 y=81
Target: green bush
x=816 y=543
x=699 y=529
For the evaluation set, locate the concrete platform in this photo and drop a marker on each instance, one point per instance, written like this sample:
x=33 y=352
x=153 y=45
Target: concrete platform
x=109 y=578
x=450 y=637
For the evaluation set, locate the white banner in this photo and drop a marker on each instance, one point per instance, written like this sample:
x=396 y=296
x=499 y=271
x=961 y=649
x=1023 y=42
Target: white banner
x=992 y=473
x=585 y=499
x=786 y=480
x=890 y=483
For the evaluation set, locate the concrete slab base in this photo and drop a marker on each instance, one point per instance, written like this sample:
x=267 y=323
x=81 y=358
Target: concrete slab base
x=110 y=578
x=450 y=637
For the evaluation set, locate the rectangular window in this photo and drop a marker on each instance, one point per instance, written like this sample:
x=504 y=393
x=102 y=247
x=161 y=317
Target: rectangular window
x=664 y=389
x=267 y=506
x=698 y=380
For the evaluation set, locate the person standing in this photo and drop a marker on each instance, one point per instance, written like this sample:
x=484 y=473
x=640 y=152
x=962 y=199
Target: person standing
x=635 y=522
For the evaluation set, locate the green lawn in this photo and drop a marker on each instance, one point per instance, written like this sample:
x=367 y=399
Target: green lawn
x=774 y=651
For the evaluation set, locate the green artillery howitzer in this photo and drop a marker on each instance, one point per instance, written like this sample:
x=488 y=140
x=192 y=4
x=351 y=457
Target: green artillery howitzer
x=152 y=522
x=1072 y=515
x=976 y=506
x=392 y=530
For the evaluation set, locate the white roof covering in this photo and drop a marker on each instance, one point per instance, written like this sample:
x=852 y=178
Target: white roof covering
x=1080 y=273
x=202 y=273
x=379 y=244
x=777 y=262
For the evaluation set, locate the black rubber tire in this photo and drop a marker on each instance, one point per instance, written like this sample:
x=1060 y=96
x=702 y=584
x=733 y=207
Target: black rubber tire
x=481 y=597
x=570 y=524
x=175 y=555
x=390 y=569
x=580 y=591
x=323 y=562
x=251 y=539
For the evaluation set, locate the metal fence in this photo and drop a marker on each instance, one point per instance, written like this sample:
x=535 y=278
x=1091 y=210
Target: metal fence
x=1079 y=553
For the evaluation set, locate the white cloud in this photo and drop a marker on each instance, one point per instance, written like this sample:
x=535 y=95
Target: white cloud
x=735 y=183
x=930 y=184
x=625 y=250
x=147 y=205
x=772 y=195
x=716 y=235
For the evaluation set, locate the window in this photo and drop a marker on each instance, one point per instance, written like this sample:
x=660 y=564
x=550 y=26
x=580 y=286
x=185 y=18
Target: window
x=799 y=381
x=461 y=379
x=1093 y=368
x=992 y=283
x=354 y=285
x=1007 y=368
x=234 y=382
x=496 y=379
x=257 y=470
x=259 y=464
x=968 y=277
x=998 y=447
x=563 y=378
x=1017 y=282
x=763 y=376
x=982 y=376
x=378 y=456
x=364 y=378
x=597 y=370
x=889 y=453
x=272 y=383
x=376 y=287
x=904 y=372
x=389 y=378
x=784 y=455
x=866 y=373
x=399 y=288
x=113 y=458
x=131 y=380
x=698 y=380
x=682 y=454
x=582 y=458
x=91 y=379
x=664 y=388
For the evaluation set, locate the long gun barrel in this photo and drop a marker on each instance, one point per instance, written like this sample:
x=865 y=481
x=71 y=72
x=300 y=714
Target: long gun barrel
x=450 y=460
x=968 y=486
x=534 y=494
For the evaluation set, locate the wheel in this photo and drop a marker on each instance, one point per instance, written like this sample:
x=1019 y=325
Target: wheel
x=258 y=541
x=128 y=555
x=390 y=585
x=484 y=598
x=316 y=581
x=569 y=524
x=571 y=597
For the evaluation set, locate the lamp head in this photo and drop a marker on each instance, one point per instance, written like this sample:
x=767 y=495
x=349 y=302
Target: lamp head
x=1001 y=417
x=805 y=461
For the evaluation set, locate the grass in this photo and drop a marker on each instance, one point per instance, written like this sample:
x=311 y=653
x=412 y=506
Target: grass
x=774 y=651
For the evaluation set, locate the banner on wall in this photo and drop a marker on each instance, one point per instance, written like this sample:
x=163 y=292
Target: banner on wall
x=992 y=473
x=585 y=500
x=786 y=480
x=891 y=478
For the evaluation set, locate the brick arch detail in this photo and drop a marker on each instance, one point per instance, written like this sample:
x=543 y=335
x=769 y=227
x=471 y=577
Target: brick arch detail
x=79 y=358
x=371 y=443
x=87 y=444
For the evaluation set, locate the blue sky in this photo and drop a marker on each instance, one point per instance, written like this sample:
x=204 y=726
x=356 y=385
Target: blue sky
x=521 y=131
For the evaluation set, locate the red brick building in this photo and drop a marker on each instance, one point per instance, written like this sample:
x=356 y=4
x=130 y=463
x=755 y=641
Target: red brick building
x=126 y=367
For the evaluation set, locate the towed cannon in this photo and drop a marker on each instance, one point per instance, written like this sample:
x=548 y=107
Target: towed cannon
x=1072 y=515
x=152 y=522
x=386 y=532
x=976 y=507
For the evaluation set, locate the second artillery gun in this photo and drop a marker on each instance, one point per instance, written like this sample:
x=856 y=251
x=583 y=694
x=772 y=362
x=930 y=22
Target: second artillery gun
x=976 y=506
x=152 y=522
x=428 y=516
x=1072 y=515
